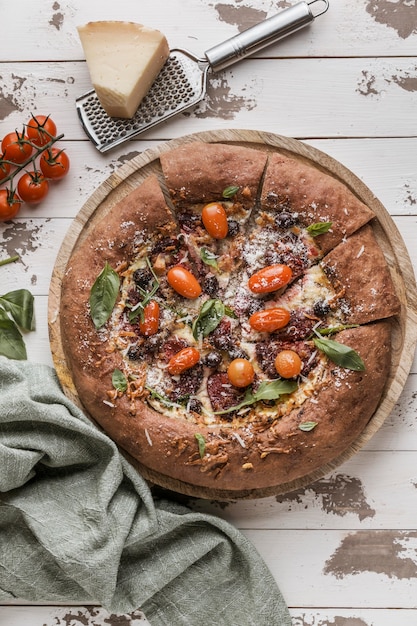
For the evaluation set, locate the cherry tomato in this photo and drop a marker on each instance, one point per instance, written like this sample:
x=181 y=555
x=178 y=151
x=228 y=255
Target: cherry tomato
x=214 y=219
x=4 y=169
x=9 y=204
x=183 y=360
x=270 y=278
x=54 y=163
x=41 y=129
x=288 y=364
x=184 y=282
x=269 y=320
x=15 y=147
x=32 y=187
x=150 y=323
x=241 y=372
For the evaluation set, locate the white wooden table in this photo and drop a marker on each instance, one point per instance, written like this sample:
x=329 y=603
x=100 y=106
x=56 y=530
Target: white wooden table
x=343 y=551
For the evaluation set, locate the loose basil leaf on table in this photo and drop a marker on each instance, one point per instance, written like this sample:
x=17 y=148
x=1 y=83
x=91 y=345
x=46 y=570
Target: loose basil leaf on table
x=103 y=295
x=340 y=354
x=12 y=345
x=19 y=304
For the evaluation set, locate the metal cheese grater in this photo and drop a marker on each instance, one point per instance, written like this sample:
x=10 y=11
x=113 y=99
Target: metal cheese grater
x=181 y=84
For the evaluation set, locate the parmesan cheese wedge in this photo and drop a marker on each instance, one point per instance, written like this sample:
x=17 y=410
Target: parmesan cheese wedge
x=123 y=59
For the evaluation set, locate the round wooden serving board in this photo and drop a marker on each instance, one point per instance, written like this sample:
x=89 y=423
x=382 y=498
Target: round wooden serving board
x=120 y=183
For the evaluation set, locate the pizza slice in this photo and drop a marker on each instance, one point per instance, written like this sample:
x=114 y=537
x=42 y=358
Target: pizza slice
x=300 y=194
x=213 y=188
x=359 y=272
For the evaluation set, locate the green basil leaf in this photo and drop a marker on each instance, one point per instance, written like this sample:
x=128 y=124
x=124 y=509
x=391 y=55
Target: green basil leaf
x=208 y=257
x=331 y=330
x=201 y=444
x=319 y=228
x=267 y=390
x=12 y=345
x=230 y=191
x=340 y=354
x=119 y=380
x=307 y=426
x=19 y=304
x=272 y=389
x=210 y=316
x=103 y=295
x=229 y=312
x=157 y=396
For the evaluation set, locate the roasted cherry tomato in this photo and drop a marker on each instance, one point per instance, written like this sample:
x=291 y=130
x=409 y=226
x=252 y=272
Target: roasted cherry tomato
x=288 y=364
x=183 y=360
x=41 y=129
x=9 y=204
x=241 y=372
x=269 y=320
x=32 y=187
x=270 y=278
x=15 y=148
x=150 y=323
x=214 y=219
x=54 y=163
x=4 y=169
x=184 y=282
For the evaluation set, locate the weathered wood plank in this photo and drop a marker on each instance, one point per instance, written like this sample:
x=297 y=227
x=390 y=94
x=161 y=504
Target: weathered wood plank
x=96 y=616
x=386 y=166
x=316 y=98
x=356 y=28
x=369 y=568
x=363 y=493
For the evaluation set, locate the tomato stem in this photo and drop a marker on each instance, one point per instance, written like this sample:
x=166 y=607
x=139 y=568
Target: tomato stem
x=11 y=259
x=31 y=159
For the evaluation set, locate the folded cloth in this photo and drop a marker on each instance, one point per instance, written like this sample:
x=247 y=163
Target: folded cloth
x=78 y=523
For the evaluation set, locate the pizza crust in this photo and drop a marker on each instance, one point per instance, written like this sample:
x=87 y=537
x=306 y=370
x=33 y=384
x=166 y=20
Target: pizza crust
x=295 y=186
x=239 y=456
x=282 y=453
x=200 y=172
x=358 y=268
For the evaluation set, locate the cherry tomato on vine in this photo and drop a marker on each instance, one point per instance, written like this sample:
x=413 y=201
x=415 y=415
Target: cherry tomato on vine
x=214 y=219
x=40 y=129
x=32 y=187
x=15 y=147
x=9 y=204
x=183 y=360
x=150 y=323
x=183 y=282
x=54 y=163
x=288 y=364
x=269 y=320
x=4 y=169
x=270 y=278
x=241 y=372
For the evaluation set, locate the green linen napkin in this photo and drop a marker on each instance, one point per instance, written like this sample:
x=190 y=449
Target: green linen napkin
x=78 y=523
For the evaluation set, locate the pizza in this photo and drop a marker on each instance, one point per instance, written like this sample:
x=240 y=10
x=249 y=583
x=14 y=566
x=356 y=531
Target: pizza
x=228 y=323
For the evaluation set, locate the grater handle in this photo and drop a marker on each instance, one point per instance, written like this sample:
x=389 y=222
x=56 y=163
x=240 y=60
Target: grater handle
x=264 y=34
